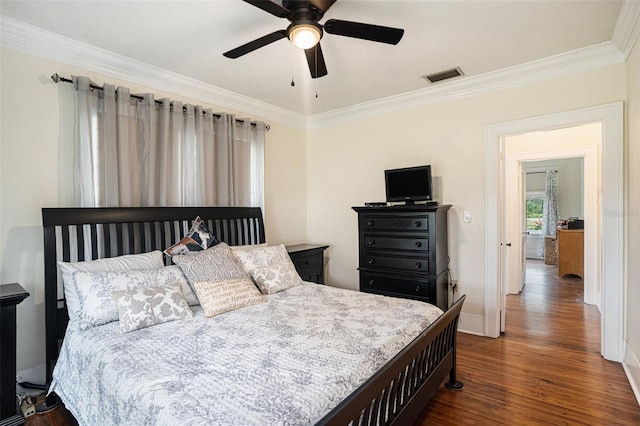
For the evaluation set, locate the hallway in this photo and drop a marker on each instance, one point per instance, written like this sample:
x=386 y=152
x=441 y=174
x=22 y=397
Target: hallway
x=545 y=369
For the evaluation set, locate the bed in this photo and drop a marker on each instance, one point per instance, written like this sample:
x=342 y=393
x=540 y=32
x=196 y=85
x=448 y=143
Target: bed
x=390 y=381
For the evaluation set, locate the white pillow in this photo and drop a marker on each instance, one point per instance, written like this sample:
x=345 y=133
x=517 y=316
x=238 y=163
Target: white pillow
x=274 y=278
x=151 y=260
x=224 y=296
x=94 y=290
x=144 y=307
x=258 y=257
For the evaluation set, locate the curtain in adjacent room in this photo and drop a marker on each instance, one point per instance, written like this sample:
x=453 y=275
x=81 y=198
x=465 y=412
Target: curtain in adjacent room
x=133 y=151
x=550 y=208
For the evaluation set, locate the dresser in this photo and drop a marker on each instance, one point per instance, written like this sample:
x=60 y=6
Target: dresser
x=403 y=252
x=570 y=252
x=309 y=261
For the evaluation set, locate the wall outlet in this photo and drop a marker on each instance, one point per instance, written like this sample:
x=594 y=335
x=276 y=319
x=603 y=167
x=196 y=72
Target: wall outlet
x=467 y=216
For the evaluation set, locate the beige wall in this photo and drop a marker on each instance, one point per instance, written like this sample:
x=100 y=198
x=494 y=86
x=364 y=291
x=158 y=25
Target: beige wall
x=346 y=163
x=312 y=177
x=632 y=155
x=30 y=180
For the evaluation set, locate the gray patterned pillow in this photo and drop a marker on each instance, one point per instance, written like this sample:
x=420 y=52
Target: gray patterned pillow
x=258 y=257
x=94 y=290
x=144 y=307
x=213 y=264
x=274 y=278
x=224 y=296
x=151 y=260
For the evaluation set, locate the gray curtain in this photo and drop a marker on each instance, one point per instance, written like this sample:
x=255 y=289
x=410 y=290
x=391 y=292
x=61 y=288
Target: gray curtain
x=550 y=208
x=131 y=152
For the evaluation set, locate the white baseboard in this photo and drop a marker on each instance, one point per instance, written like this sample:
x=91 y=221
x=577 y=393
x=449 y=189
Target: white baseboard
x=471 y=324
x=631 y=366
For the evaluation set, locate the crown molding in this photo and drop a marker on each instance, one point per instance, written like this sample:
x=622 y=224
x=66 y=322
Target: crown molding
x=29 y=39
x=576 y=61
x=38 y=42
x=627 y=29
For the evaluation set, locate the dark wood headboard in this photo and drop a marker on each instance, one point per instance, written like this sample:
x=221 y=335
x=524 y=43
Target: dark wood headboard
x=77 y=234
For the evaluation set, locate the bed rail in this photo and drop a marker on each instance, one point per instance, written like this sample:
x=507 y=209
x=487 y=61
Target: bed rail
x=397 y=393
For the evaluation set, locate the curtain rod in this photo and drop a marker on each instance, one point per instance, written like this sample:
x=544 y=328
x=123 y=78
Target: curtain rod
x=56 y=78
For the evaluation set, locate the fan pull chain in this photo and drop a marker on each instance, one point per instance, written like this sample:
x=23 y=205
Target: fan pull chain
x=316 y=53
x=292 y=52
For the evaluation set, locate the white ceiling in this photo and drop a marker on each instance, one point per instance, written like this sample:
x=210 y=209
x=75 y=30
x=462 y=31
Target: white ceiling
x=189 y=37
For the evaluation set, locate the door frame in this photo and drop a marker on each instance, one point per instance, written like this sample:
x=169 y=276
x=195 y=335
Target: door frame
x=610 y=207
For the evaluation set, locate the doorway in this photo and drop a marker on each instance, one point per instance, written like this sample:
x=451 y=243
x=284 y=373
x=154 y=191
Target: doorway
x=610 y=225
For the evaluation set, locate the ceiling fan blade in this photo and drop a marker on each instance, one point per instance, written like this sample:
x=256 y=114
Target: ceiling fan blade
x=270 y=7
x=315 y=59
x=322 y=5
x=255 y=44
x=364 y=31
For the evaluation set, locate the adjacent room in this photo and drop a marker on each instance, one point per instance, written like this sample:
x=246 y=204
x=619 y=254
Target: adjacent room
x=319 y=212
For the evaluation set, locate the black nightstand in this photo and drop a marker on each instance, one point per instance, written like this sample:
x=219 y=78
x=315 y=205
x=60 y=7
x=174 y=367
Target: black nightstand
x=10 y=296
x=309 y=261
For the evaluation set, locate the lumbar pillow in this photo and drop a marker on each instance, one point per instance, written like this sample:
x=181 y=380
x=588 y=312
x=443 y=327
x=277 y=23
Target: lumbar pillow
x=151 y=260
x=197 y=239
x=213 y=264
x=144 y=307
x=224 y=296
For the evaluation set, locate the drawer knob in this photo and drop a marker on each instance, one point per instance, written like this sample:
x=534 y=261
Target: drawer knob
x=306 y=262
x=372 y=282
x=418 y=289
x=418 y=224
x=418 y=244
x=371 y=242
x=418 y=265
x=370 y=223
x=371 y=261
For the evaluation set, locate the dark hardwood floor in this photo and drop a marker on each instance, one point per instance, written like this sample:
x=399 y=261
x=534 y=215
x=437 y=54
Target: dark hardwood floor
x=545 y=369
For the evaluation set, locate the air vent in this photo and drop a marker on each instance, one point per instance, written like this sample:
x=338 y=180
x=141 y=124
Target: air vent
x=444 y=75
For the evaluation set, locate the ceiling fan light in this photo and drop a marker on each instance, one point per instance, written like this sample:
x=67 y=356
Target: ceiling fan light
x=304 y=36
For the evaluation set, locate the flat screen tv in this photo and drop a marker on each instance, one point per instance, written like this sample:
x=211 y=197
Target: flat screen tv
x=409 y=184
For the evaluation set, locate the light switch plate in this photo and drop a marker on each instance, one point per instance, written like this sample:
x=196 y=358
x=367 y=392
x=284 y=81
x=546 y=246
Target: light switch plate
x=466 y=216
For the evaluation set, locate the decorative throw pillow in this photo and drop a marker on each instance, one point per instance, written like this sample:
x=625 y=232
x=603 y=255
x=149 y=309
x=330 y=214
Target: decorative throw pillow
x=151 y=260
x=197 y=239
x=259 y=257
x=274 y=278
x=144 y=307
x=224 y=296
x=213 y=264
x=94 y=290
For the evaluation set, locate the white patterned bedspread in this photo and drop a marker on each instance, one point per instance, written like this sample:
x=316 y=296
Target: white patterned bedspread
x=285 y=362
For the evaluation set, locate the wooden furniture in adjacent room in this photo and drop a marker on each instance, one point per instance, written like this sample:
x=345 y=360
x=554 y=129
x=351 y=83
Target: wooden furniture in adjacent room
x=10 y=296
x=570 y=252
x=309 y=261
x=404 y=252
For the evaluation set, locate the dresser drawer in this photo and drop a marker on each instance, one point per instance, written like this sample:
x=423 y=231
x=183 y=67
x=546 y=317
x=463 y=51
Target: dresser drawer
x=417 y=264
x=416 y=288
x=402 y=223
x=379 y=242
x=308 y=261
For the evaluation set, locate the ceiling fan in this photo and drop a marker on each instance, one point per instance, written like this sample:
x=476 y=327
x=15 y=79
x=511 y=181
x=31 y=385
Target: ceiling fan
x=305 y=31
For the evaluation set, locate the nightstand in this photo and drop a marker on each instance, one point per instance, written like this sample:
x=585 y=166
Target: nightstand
x=309 y=261
x=10 y=296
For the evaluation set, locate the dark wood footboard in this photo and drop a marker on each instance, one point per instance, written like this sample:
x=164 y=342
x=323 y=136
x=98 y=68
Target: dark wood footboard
x=402 y=388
